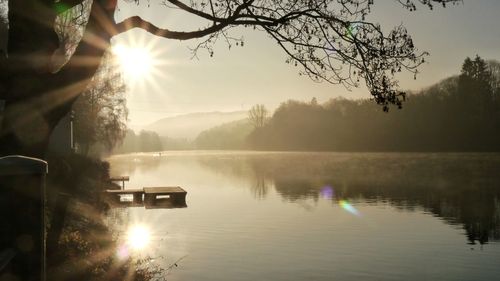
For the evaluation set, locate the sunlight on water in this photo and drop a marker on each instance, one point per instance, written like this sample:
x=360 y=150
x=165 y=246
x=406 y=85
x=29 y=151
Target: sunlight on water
x=311 y=216
x=137 y=240
x=138 y=237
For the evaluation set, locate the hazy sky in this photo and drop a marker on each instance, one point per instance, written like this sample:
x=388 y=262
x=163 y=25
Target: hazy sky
x=257 y=73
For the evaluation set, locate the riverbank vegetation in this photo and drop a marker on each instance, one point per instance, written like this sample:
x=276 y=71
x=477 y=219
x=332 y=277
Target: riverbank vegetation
x=100 y=112
x=460 y=113
x=144 y=141
x=80 y=244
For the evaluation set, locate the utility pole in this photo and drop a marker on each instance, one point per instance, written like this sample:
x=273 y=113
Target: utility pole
x=72 y=138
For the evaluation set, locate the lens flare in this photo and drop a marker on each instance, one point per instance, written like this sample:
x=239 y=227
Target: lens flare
x=123 y=252
x=353 y=29
x=348 y=207
x=327 y=192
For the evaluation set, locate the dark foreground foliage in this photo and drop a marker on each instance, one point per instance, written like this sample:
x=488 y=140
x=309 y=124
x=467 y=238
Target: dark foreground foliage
x=84 y=248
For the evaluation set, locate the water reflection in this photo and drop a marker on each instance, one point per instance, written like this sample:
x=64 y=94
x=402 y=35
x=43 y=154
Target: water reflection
x=312 y=216
x=461 y=189
x=138 y=237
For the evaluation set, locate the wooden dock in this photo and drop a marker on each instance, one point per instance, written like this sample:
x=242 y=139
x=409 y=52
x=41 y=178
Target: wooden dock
x=121 y=179
x=149 y=197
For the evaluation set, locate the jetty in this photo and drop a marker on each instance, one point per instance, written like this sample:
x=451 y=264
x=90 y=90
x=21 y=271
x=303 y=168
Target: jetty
x=121 y=179
x=149 y=197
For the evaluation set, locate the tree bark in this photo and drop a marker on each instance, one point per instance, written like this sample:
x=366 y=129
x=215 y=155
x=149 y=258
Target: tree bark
x=36 y=99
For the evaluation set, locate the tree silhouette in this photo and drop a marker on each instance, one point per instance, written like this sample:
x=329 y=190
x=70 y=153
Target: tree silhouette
x=460 y=113
x=331 y=40
x=257 y=115
x=101 y=111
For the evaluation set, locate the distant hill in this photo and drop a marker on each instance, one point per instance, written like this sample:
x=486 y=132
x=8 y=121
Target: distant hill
x=232 y=135
x=188 y=126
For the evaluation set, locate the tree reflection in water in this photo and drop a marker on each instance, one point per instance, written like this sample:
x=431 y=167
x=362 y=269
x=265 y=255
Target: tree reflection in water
x=462 y=189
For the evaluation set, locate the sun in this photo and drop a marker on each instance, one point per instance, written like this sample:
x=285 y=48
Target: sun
x=142 y=61
x=136 y=62
x=138 y=237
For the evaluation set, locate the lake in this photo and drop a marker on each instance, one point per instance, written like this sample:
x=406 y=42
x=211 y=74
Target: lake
x=320 y=216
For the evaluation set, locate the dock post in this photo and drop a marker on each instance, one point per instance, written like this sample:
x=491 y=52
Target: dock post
x=22 y=227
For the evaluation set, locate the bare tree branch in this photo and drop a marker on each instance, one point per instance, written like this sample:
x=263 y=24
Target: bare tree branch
x=330 y=39
x=138 y=22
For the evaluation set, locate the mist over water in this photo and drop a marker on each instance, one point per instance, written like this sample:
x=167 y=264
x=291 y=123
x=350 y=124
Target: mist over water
x=322 y=216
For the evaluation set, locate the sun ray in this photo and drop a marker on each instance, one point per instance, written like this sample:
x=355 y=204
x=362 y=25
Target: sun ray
x=139 y=57
x=136 y=62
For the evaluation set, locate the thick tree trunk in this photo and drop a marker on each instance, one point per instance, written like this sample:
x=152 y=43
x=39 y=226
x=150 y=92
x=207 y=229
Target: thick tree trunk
x=32 y=41
x=36 y=99
x=25 y=131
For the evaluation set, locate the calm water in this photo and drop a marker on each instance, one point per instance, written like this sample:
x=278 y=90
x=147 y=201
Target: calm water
x=322 y=216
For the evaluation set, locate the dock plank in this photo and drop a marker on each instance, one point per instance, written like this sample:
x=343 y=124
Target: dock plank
x=125 y=191
x=152 y=197
x=121 y=178
x=164 y=190
x=176 y=194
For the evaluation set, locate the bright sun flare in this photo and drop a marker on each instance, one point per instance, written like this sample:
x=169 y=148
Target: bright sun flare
x=138 y=237
x=136 y=62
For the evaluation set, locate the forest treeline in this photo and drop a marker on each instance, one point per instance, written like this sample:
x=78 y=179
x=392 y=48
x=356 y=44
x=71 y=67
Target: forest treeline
x=232 y=135
x=461 y=113
x=144 y=141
